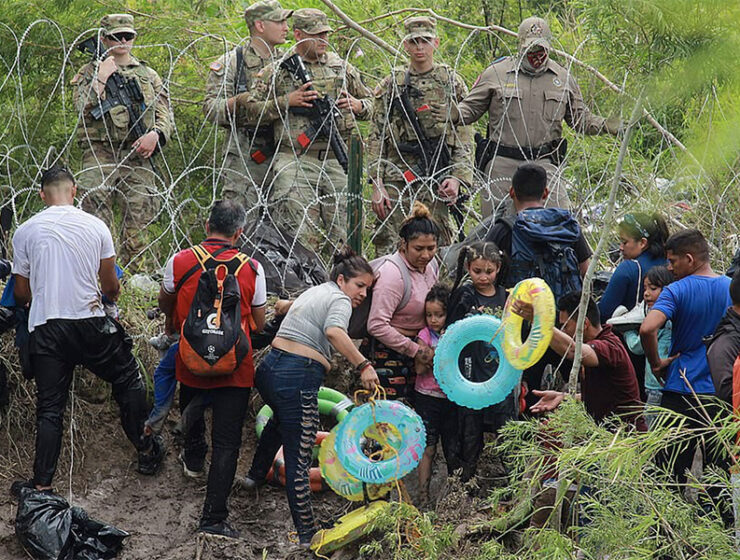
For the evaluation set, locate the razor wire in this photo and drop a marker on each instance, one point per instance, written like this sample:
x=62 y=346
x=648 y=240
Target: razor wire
x=190 y=169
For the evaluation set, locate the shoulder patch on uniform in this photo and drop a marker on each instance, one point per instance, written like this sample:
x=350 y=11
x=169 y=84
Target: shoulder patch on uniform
x=216 y=66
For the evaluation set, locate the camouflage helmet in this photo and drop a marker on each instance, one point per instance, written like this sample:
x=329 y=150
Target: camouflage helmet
x=534 y=31
x=117 y=23
x=266 y=10
x=420 y=27
x=311 y=21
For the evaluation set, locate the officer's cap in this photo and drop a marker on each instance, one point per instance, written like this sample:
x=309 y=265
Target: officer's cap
x=311 y=21
x=420 y=27
x=534 y=31
x=117 y=23
x=266 y=10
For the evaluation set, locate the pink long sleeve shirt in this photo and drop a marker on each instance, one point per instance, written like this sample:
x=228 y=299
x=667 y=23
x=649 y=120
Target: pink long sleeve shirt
x=384 y=320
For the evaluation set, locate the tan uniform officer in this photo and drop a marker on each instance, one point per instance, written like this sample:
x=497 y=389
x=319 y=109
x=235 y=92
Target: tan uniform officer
x=399 y=172
x=527 y=98
x=116 y=166
x=309 y=194
x=249 y=145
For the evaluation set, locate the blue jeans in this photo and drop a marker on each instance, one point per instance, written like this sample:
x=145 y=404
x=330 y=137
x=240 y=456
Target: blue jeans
x=164 y=389
x=289 y=384
x=653 y=400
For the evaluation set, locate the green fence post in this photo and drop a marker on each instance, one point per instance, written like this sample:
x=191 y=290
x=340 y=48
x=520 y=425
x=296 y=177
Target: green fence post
x=354 y=194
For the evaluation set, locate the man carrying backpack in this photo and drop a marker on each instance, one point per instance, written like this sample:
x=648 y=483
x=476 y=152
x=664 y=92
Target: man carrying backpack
x=215 y=297
x=540 y=242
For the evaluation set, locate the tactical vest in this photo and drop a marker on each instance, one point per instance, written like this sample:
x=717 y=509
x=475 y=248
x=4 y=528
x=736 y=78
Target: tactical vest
x=434 y=86
x=114 y=126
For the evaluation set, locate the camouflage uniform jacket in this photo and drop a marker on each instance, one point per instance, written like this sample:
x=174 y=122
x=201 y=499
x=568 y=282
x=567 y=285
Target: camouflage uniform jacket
x=389 y=127
x=114 y=126
x=222 y=85
x=528 y=110
x=330 y=75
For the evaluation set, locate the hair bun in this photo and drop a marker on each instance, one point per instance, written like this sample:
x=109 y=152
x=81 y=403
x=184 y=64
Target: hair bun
x=420 y=211
x=343 y=253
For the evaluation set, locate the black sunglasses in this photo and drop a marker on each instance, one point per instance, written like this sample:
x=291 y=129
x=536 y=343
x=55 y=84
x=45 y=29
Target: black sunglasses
x=121 y=37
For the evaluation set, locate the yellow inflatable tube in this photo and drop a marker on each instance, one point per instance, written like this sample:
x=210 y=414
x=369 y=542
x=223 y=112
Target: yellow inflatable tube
x=525 y=354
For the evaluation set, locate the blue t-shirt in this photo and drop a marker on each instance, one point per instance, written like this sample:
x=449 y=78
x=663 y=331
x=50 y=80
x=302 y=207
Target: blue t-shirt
x=627 y=283
x=695 y=305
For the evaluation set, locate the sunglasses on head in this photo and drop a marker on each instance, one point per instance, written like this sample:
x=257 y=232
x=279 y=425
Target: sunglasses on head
x=632 y=221
x=121 y=37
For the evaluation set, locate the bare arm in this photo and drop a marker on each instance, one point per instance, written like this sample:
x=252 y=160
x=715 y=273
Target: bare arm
x=654 y=321
x=566 y=347
x=166 y=303
x=258 y=314
x=22 y=290
x=109 y=284
x=583 y=267
x=341 y=341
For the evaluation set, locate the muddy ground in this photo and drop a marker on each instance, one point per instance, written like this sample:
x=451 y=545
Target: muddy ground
x=97 y=472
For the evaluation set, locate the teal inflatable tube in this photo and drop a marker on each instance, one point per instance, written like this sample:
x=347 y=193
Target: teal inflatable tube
x=447 y=372
x=412 y=435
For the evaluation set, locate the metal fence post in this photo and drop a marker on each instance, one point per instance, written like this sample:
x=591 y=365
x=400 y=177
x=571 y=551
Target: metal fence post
x=354 y=194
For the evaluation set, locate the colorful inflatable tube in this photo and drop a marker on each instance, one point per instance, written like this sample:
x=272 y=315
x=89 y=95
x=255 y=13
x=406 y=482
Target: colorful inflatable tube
x=525 y=354
x=460 y=390
x=331 y=403
x=410 y=429
x=339 y=480
x=277 y=472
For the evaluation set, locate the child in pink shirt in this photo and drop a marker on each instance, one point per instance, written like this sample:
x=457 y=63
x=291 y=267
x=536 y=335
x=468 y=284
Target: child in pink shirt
x=437 y=412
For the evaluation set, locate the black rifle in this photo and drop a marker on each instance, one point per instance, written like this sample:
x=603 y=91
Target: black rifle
x=323 y=114
x=119 y=91
x=434 y=156
x=259 y=155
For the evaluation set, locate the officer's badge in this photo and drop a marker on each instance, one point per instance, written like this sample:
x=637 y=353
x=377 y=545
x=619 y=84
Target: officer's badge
x=535 y=29
x=556 y=82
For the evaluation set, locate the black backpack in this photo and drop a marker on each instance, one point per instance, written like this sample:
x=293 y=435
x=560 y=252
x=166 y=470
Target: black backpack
x=543 y=244
x=213 y=341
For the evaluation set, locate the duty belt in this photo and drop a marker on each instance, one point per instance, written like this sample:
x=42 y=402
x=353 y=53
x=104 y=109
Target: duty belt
x=527 y=152
x=485 y=149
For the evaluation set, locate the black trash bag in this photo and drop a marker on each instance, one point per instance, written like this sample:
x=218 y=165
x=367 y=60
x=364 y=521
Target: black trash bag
x=49 y=529
x=289 y=267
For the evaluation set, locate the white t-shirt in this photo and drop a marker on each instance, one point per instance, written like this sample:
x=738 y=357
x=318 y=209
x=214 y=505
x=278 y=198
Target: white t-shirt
x=260 y=284
x=60 y=250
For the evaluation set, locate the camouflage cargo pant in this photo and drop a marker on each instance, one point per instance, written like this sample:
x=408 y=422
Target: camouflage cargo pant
x=108 y=184
x=402 y=199
x=309 y=199
x=495 y=192
x=247 y=181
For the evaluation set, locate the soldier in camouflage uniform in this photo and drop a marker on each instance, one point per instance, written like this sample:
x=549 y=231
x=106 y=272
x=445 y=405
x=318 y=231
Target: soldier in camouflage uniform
x=249 y=145
x=309 y=194
x=392 y=153
x=527 y=97
x=116 y=166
